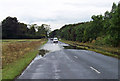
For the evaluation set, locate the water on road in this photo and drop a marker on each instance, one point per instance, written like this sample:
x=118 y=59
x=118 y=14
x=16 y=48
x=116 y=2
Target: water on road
x=62 y=63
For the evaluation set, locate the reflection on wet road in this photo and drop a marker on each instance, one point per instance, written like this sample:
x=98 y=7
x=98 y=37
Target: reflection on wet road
x=50 y=46
x=62 y=63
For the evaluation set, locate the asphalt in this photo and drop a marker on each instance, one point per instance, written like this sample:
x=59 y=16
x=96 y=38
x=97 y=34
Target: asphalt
x=62 y=63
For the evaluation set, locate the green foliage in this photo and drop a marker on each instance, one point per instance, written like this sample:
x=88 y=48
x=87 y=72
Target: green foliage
x=19 y=66
x=88 y=32
x=79 y=33
x=55 y=33
x=114 y=28
x=11 y=28
x=97 y=26
x=106 y=27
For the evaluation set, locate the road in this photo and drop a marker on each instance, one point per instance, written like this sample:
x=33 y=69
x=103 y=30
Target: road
x=62 y=63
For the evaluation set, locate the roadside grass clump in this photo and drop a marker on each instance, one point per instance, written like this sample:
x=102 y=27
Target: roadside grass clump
x=17 y=55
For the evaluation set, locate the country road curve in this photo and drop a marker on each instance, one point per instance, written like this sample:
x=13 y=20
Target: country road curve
x=61 y=63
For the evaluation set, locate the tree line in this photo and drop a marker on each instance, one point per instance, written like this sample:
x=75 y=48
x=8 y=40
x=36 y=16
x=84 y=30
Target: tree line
x=11 y=28
x=102 y=29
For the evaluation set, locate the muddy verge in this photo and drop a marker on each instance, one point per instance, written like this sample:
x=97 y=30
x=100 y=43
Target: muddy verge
x=74 y=47
x=84 y=47
x=77 y=46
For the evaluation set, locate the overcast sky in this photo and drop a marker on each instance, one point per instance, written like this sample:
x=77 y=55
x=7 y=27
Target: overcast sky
x=56 y=13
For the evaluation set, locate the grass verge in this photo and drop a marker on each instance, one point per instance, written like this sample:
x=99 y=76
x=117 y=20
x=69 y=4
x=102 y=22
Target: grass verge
x=109 y=51
x=15 y=68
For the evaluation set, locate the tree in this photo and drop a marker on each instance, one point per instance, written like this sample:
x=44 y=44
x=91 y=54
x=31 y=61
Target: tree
x=22 y=31
x=114 y=7
x=80 y=33
x=97 y=26
x=114 y=29
x=10 y=27
x=106 y=27
x=54 y=33
x=32 y=31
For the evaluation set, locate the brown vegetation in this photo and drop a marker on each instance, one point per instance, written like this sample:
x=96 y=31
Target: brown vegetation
x=11 y=51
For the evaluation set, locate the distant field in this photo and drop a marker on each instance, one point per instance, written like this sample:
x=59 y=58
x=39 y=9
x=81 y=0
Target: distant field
x=17 y=53
x=18 y=40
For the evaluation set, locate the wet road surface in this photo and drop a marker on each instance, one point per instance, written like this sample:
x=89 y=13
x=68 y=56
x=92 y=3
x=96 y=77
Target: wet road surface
x=62 y=63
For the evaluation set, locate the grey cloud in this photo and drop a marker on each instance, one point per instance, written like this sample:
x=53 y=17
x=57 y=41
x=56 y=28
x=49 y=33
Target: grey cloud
x=54 y=12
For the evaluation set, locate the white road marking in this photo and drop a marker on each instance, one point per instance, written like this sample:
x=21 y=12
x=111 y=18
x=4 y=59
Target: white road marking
x=94 y=69
x=75 y=56
x=56 y=76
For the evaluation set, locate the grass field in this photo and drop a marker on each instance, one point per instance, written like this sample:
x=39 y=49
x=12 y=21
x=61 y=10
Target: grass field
x=109 y=51
x=17 y=54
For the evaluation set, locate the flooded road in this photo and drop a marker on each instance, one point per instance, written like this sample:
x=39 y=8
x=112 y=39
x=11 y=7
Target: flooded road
x=64 y=63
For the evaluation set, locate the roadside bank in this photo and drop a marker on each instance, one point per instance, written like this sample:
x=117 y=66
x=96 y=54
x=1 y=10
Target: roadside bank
x=109 y=51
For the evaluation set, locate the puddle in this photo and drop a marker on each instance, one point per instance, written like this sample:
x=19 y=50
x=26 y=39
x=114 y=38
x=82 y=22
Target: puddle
x=51 y=47
x=38 y=57
x=42 y=52
x=74 y=47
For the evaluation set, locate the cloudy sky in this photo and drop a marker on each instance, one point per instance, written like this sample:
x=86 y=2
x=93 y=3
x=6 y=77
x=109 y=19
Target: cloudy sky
x=56 y=13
